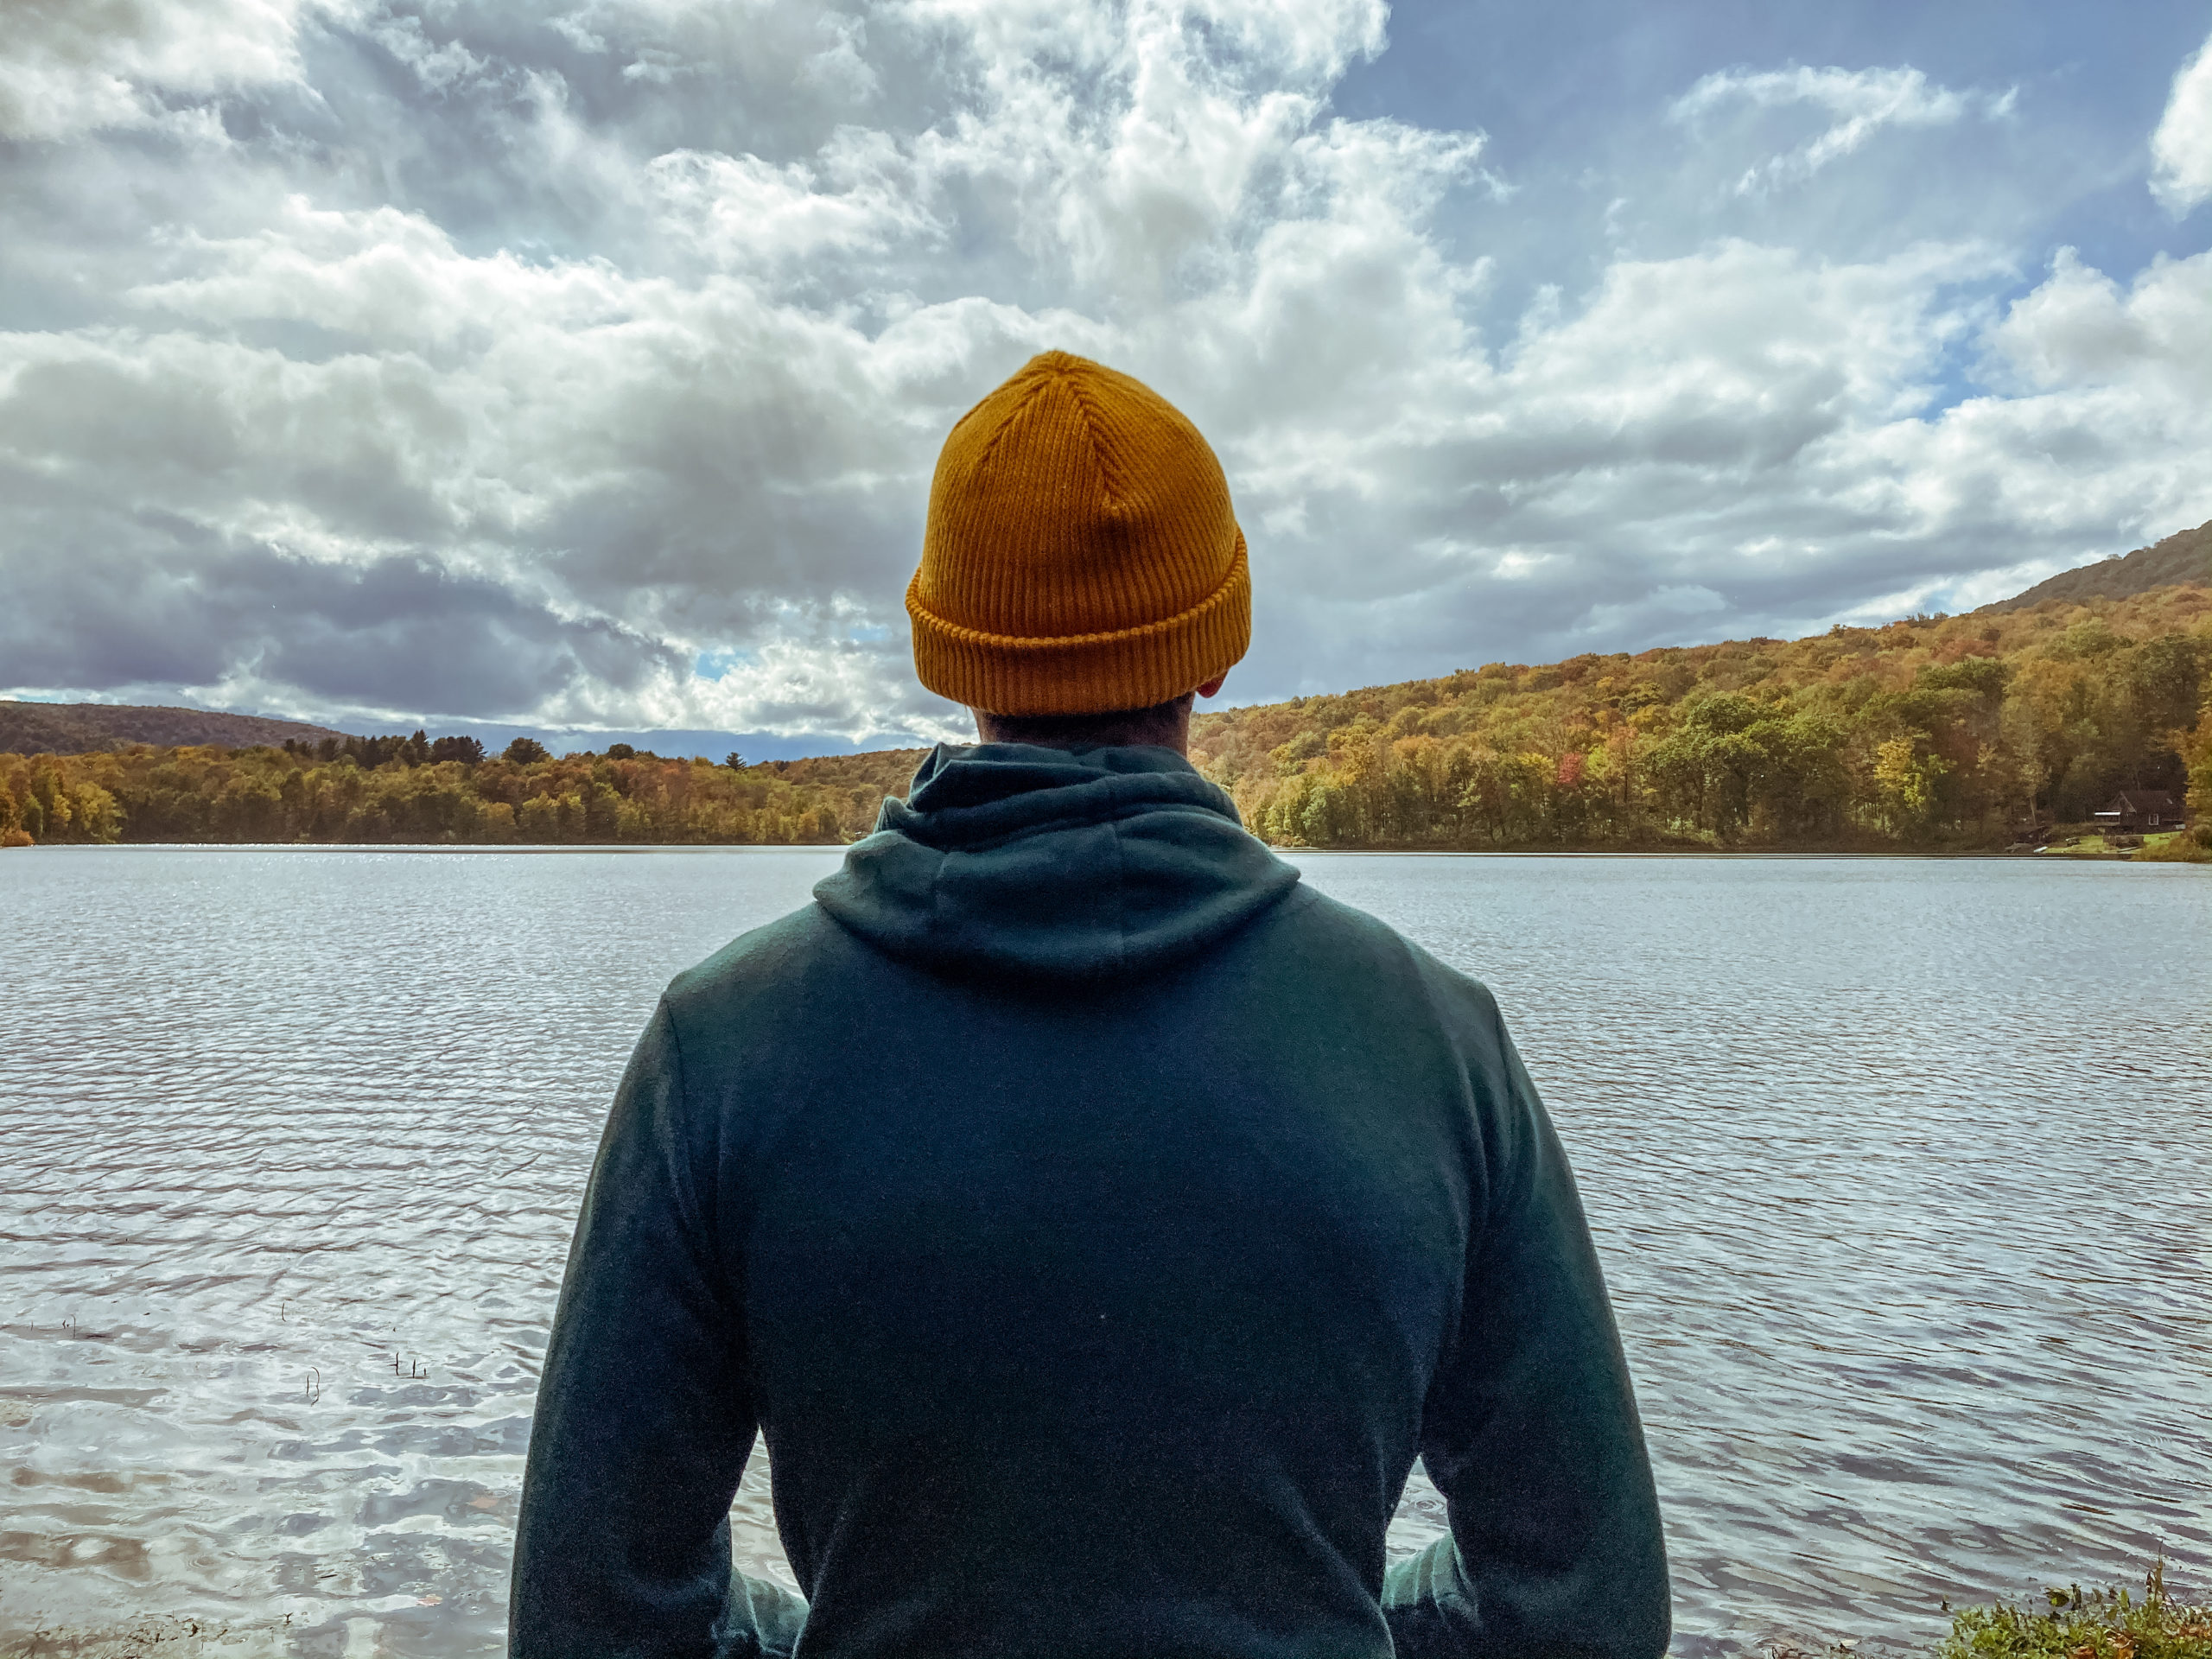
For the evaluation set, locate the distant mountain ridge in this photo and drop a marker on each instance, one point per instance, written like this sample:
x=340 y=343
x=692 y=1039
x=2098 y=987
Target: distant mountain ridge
x=1964 y=733
x=89 y=727
x=2183 y=559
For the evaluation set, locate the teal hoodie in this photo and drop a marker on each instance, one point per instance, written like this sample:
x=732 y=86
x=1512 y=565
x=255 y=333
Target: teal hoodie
x=1096 y=1222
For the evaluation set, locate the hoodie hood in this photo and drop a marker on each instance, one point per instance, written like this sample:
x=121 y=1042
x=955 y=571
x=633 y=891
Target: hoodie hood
x=1082 y=867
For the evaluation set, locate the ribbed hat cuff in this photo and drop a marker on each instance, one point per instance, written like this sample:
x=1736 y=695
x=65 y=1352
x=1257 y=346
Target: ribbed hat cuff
x=1090 y=673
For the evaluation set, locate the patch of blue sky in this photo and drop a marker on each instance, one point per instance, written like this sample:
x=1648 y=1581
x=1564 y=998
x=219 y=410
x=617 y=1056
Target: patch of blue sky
x=2051 y=150
x=713 y=664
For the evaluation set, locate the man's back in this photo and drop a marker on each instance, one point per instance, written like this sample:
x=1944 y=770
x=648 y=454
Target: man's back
x=1097 y=1222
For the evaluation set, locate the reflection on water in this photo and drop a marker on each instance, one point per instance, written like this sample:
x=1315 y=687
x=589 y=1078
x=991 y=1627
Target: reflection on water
x=1898 y=1170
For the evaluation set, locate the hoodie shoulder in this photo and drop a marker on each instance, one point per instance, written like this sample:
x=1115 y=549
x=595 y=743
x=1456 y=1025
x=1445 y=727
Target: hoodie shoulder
x=1346 y=930
x=773 y=961
x=1374 y=958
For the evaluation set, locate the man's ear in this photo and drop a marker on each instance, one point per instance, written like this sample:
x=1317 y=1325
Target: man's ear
x=1212 y=687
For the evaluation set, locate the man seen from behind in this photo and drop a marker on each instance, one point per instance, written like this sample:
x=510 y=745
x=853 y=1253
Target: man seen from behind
x=1095 y=1221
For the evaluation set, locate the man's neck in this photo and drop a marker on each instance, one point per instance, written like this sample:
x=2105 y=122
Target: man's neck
x=1167 y=727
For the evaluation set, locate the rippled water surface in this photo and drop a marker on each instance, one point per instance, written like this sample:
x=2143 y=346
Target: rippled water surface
x=1899 y=1169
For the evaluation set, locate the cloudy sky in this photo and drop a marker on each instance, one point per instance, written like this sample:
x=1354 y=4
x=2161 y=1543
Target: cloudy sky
x=583 y=366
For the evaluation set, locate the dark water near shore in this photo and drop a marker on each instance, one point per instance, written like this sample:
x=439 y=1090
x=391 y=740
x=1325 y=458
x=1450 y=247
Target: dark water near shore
x=1899 y=1169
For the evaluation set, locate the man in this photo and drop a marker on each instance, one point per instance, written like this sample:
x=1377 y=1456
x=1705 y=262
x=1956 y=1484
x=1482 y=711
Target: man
x=1095 y=1221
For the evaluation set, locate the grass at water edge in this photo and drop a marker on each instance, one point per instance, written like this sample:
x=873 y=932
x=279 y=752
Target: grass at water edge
x=2075 y=1623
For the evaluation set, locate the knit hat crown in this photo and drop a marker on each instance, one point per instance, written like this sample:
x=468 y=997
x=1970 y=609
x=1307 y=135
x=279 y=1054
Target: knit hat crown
x=1081 y=555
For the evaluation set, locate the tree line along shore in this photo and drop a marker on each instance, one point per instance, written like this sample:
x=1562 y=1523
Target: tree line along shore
x=1936 y=732
x=417 y=790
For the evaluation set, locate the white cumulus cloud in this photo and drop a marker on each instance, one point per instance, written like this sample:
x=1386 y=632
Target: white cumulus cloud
x=67 y=66
x=2181 y=149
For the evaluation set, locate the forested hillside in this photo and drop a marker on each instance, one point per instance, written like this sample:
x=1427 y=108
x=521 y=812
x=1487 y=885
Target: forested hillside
x=1935 y=731
x=417 y=790
x=1964 y=731
x=82 y=728
x=2184 y=557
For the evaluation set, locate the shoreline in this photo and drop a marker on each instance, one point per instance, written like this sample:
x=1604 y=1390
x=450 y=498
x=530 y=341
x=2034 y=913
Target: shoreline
x=544 y=848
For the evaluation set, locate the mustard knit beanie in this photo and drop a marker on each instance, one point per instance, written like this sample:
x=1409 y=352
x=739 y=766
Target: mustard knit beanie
x=1081 y=555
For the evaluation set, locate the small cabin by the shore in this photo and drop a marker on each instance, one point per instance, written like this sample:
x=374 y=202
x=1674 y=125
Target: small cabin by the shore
x=2138 y=810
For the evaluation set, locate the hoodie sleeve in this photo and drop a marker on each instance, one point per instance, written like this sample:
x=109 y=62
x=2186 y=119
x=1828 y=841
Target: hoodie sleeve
x=644 y=1422
x=1530 y=1429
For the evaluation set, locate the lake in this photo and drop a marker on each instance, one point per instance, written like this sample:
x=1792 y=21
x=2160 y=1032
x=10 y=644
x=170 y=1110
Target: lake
x=1901 y=1171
